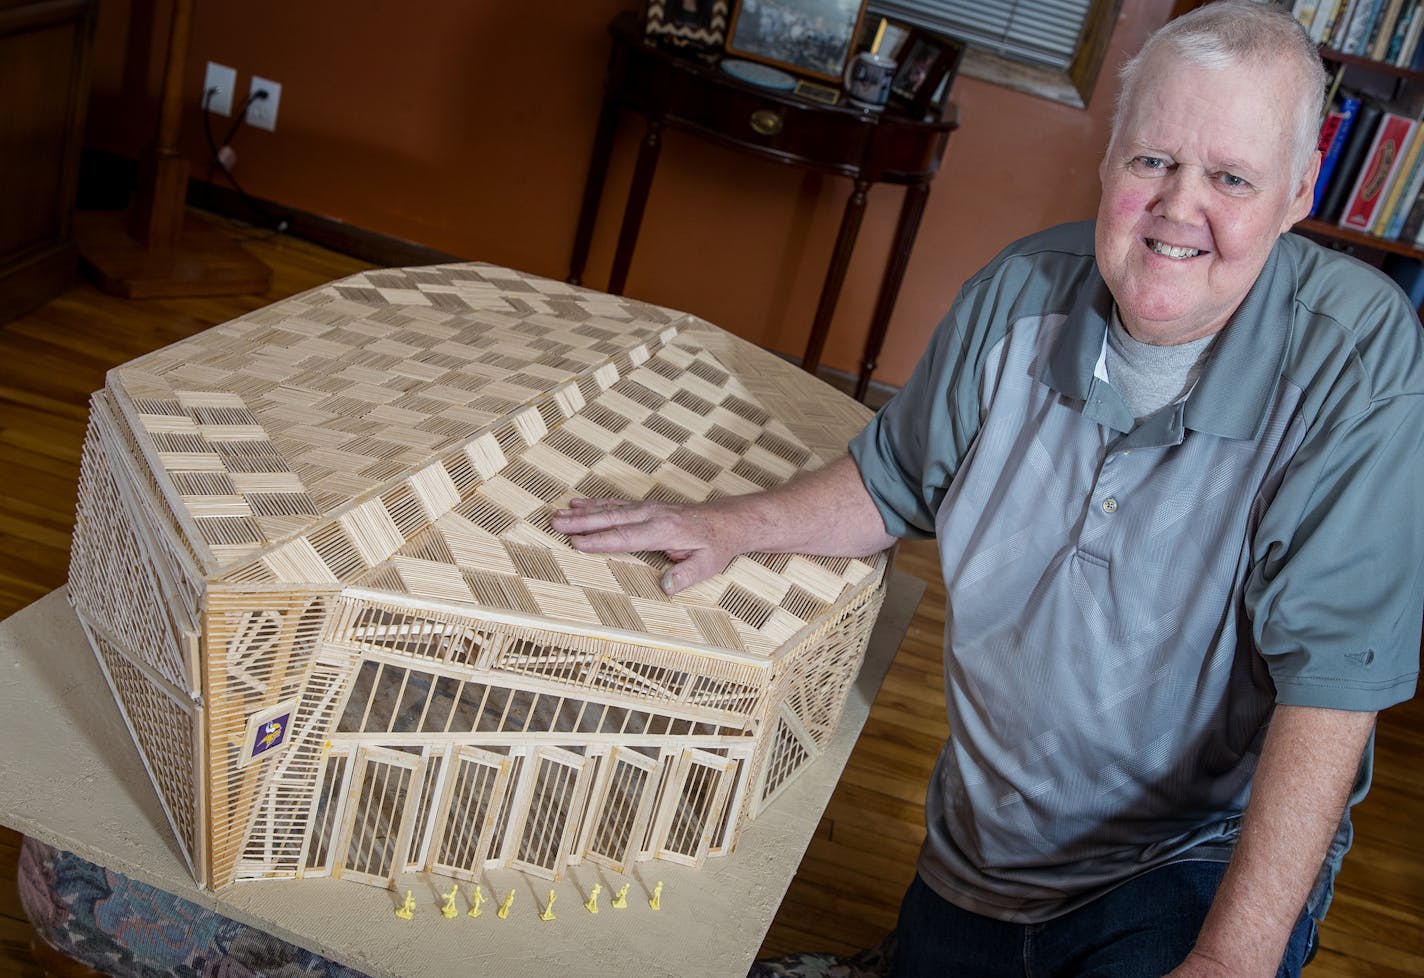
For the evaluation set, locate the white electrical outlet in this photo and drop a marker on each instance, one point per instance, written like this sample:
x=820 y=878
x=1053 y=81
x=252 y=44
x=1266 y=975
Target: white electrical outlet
x=262 y=112
x=218 y=85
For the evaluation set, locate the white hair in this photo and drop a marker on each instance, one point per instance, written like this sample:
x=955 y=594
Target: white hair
x=1232 y=32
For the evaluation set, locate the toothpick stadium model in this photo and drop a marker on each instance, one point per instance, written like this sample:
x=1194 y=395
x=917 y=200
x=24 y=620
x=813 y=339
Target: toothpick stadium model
x=314 y=559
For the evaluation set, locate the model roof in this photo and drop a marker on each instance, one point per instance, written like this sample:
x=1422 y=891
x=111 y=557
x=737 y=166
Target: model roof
x=409 y=431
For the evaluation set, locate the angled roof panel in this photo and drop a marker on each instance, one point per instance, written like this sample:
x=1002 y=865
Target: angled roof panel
x=411 y=429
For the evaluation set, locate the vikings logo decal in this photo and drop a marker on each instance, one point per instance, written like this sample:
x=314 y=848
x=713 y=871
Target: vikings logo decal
x=268 y=730
x=271 y=736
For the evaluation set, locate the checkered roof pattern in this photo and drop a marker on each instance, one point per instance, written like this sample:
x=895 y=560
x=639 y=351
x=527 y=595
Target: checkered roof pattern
x=409 y=431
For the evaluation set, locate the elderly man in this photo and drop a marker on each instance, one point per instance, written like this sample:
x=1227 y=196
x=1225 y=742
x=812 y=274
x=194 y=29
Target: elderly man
x=1171 y=461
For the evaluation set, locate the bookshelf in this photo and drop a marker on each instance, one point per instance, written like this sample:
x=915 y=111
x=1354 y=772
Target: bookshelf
x=1379 y=67
x=1326 y=229
x=1330 y=230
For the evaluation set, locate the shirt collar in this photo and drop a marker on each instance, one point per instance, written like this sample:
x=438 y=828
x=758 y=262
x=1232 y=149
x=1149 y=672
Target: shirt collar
x=1232 y=395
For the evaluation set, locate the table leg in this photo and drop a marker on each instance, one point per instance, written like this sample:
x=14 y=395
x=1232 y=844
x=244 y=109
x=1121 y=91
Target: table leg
x=913 y=208
x=637 y=201
x=835 y=276
x=593 y=187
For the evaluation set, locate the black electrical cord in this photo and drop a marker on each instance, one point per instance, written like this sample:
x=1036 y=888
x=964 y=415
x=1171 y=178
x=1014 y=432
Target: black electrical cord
x=240 y=116
x=208 y=131
x=265 y=217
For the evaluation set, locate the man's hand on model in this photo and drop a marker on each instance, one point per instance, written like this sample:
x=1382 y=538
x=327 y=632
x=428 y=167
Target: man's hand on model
x=700 y=540
x=825 y=511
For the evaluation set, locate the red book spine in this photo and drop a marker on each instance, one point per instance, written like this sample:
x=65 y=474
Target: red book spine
x=1327 y=131
x=1389 y=142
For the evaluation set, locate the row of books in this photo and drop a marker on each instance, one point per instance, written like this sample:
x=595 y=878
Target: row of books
x=1381 y=30
x=1372 y=170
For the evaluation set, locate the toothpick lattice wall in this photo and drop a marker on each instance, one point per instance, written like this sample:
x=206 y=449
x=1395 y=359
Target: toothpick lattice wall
x=314 y=558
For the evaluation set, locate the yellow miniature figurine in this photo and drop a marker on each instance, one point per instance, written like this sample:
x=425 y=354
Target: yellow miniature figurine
x=476 y=899
x=504 y=907
x=657 y=901
x=592 y=905
x=407 y=909
x=620 y=899
x=448 y=909
x=548 y=913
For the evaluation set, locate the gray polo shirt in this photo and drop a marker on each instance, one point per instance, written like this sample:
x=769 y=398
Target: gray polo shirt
x=1128 y=601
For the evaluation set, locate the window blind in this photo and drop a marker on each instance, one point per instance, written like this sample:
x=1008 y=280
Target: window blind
x=1040 y=31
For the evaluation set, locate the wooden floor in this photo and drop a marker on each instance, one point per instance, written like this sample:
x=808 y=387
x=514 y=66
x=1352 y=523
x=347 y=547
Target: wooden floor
x=845 y=895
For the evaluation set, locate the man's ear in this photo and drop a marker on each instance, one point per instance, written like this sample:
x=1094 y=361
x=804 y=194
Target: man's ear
x=1304 y=195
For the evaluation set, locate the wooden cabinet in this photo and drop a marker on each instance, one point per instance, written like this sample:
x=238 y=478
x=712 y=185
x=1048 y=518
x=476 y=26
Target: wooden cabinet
x=44 y=84
x=677 y=92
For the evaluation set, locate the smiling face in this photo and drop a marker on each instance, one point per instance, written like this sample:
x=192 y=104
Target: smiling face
x=1198 y=183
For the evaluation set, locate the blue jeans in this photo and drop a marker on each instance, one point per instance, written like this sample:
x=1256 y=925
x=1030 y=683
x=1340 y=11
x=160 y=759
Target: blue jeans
x=1142 y=929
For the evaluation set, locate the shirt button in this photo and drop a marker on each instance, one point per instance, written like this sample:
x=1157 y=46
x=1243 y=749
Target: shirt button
x=1110 y=505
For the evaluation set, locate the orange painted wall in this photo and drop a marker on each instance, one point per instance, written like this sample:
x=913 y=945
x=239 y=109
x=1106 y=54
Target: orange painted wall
x=466 y=125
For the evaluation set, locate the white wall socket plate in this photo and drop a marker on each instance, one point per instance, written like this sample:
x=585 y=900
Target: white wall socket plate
x=224 y=79
x=262 y=112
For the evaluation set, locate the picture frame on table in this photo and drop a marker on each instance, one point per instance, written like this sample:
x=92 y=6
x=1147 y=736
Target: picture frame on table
x=925 y=69
x=687 y=23
x=824 y=94
x=881 y=35
x=813 y=38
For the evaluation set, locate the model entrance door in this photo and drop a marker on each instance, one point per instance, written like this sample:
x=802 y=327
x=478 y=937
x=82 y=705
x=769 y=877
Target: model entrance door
x=622 y=801
x=555 y=783
x=693 y=806
x=465 y=837
x=380 y=815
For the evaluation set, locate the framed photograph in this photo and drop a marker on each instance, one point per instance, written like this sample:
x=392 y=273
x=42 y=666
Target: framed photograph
x=805 y=37
x=695 y=23
x=925 y=69
x=881 y=35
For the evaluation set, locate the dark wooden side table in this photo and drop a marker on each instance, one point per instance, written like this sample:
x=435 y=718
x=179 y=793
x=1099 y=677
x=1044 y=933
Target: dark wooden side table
x=673 y=90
